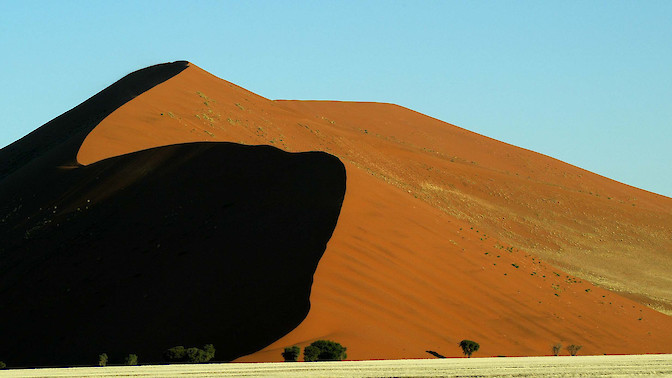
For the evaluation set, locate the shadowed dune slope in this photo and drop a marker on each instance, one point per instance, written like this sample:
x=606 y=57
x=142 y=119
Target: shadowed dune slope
x=181 y=245
x=444 y=234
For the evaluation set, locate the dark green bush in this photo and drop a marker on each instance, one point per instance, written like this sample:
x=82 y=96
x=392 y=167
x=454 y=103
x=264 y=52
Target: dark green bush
x=324 y=350
x=102 y=359
x=180 y=354
x=131 y=359
x=197 y=355
x=469 y=347
x=175 y=354
x=291 y=354
x=310 y=353
x=210 y=351
x=3 y=365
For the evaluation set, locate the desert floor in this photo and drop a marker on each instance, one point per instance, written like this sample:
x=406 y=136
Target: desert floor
x=613 y=366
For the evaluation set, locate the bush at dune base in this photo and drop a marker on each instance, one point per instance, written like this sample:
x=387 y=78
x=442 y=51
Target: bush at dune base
x=291 y=354
x=324 y=350
x=131 y=360
x=193 y=354
x=469 y=347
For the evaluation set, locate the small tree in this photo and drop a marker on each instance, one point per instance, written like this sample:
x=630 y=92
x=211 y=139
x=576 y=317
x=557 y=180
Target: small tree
x=469 y=347
x=556 y=349
x=3 y=365
x=291 y=354
x=102 y=359
x=131 y=360
x=324 y=350
x=573 y=349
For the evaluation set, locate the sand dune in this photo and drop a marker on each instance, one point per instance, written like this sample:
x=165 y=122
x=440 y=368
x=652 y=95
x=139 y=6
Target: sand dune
x=187 y=244
x=444 y=234
x=612 y=234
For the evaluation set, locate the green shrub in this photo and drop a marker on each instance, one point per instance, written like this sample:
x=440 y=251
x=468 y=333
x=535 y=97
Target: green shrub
x=324 y=350
x=469 y=347
x=102 y=359
x=197 y=355
x=291 y=354
x=209 y=351
x=3 y=365
x=193 y=354
x=310 y=353
x=131 y=360
x=175 y=354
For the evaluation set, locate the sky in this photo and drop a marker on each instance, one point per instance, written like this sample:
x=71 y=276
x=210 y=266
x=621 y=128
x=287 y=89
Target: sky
x=586 y=82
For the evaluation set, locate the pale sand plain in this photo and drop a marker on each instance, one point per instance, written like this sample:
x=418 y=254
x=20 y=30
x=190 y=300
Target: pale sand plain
x=565 y=366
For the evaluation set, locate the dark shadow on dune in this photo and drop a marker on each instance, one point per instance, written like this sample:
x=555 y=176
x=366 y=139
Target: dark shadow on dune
x=180 y=245
x=58 y=140
x=435 y=354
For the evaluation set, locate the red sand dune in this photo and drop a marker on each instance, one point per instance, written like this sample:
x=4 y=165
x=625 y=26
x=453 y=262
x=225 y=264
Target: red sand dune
x=187 y=244
x=444 y=234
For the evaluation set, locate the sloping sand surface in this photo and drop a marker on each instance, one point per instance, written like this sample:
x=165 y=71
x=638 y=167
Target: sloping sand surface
x=444 y=234
x=401 y=278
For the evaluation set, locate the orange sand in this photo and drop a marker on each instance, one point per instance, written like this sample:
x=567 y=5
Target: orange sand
x=444 y=234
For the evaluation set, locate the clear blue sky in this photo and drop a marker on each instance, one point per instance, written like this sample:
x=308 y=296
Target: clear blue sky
x=587 y=82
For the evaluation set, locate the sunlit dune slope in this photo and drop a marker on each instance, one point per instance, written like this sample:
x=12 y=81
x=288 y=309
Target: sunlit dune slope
x=444 y=234
x=613 y=234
